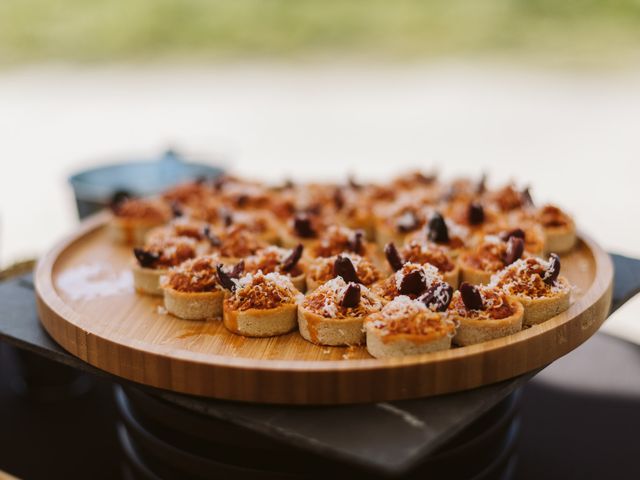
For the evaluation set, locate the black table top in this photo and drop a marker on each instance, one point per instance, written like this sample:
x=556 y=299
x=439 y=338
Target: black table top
x=389 y=437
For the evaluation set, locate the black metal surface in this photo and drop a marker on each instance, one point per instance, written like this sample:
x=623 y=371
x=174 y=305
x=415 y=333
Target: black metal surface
x=348 y=434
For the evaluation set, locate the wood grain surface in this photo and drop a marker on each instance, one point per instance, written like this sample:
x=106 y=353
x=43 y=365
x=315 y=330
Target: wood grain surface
x=86 y=302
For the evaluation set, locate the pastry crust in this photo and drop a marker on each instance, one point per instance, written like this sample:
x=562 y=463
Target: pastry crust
x=538 y=310
x=473 y=330
x=130 y=231
x=147 y=280
x=330 y=331
x=194 y=305
x=382 y=346
x=560 y=239
x=473 y=275
x=256 y=322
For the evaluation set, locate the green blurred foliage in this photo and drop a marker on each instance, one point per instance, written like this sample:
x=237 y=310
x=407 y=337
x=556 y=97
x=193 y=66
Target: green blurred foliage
x=92 y=30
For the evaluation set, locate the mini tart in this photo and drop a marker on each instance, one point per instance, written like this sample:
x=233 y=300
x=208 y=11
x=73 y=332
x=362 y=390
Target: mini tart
x=320 y=270
x=170 y=252
x=271 y=259
x=478 y=265
x=262 y=305
x=534 y=237
x=407 y=327
x=323 y=321
x=429 y=253
x=395 y=222
x=523 y=281
x=289 y=238
x=192 y=290
x=261 y=223
x=389 y=288
x=133 y=218
x=559 y=229
x=458 y=238
x=335 y=240
x=238 y=242
x=501 y=316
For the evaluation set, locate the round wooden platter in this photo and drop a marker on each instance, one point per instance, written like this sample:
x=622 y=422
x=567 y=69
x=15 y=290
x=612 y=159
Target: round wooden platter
x=87 y=303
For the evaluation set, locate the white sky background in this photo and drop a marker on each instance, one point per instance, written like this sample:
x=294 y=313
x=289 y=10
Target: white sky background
x=575 y=136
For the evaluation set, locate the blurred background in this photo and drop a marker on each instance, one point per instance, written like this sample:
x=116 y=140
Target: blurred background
x=543 y=91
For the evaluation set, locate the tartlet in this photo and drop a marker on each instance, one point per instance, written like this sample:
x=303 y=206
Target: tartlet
x=192 y=290
x=483 y=313
x=323 y=269
x=536 y=284
x=444 y=233
x=412 y=280
x=427 y=253
x=336 y=239
x=133 y=218
x=407 y=327
x=154 y=259
x=333 y=314
x=559 y=229
x=280 y=260
x=261 y=305
x=489 y=257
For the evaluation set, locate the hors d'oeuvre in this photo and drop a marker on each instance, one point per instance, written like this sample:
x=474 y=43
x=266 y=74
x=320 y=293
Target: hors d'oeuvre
x=423 y=253
x=397 y=221
x=193 y=290
x=235 y=242
x=336 y=239
x=537 y=285
x=156 y=257
x=559 y=229
x=133 y=218
x=530 y=232
x=483 y=313
x=411 y=280
x=280 y=260
x=448 y=235
x=333 y=313
x=259 y=304
x=302 y=228
x=350 y=266
x=473 y=215
x=407 y=327
x=489 y=257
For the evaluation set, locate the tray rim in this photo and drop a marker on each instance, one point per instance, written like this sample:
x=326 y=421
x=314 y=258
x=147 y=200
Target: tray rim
x=52 y=309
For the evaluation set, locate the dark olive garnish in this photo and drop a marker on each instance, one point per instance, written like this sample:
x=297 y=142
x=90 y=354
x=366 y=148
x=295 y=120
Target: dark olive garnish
x=343 y=267
x=393 y=256
x=471 y=297
x=214 y=240
x=242 y=200
x=438 y=230
x=425 y=179
x=515 y=249
x=481 y=187
x=413 y=283
x=292 y=260
x=237 y=269
x=551 y=275
x=302 y=226
x=356 y=243
x=475 y=214
x=437 y=297
x=516 y=232
x=527 y=199
x=176 y=209
x=145 y=258
x=225 y=280
x=407 y=222
x=351 y=297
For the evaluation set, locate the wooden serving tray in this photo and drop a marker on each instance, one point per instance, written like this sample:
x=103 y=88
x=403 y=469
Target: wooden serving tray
x=87 y=303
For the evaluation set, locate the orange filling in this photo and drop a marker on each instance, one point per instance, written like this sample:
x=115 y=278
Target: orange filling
x=417 y=253
x=497 y=306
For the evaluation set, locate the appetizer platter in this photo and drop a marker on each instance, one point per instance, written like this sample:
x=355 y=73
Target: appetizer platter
x=325 y=293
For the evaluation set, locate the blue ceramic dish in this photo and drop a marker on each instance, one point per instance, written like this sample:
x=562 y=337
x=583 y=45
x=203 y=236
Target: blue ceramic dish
x=97 y=188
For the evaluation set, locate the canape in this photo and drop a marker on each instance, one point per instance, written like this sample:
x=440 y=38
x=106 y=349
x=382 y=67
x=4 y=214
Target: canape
x=260 y=305
x=407 y=327
x=411 y=279
x=483 y=313
x=445 y=233
x=322 y=269
x=396 y=221
x=154 y=259
x=559 y=229
x=333 y=314
x=530 y=232
x=133 y=218
x=302 y=228
x=336 y=239
x=192 y=290
x=424 y=253
x=280 y=260
x=492 y=255
x=537 y=285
